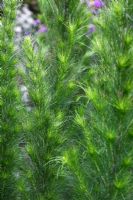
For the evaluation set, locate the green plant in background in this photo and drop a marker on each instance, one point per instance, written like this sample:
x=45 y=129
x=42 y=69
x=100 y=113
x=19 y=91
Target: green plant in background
x=100 y=165
x=9 y=105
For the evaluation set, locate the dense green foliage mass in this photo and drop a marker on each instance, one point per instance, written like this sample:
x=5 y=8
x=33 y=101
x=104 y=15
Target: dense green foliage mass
x=101 y=162
x=9 y=105
x=78 y=132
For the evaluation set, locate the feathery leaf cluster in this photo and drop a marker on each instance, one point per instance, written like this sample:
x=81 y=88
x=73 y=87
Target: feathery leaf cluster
x=78 y=132
x=10 y=106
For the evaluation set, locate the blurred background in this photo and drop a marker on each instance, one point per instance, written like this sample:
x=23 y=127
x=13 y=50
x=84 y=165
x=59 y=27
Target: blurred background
x=33 y=5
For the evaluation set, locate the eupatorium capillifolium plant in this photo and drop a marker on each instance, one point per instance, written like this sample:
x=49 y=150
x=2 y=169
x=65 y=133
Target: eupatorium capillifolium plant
x=9 y=105
x=51 y=81
x=42 y=128
x=101 y=161
x=67 y=23
x=52 y=71
x=78 y=133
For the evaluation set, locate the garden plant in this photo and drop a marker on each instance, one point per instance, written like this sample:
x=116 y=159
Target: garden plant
x=74 y=140
x=10 y=106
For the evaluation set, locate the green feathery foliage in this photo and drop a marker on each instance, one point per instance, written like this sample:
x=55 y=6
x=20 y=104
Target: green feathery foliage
x=100 y=165
x=67 y=23
x=78 y=134
x=9 y=105
x=53 y=70
x=42 y=128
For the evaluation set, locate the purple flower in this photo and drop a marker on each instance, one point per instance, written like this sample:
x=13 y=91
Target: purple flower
x=98 y=4
x=92 y=28
x=43 y=29
x=36 y=22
